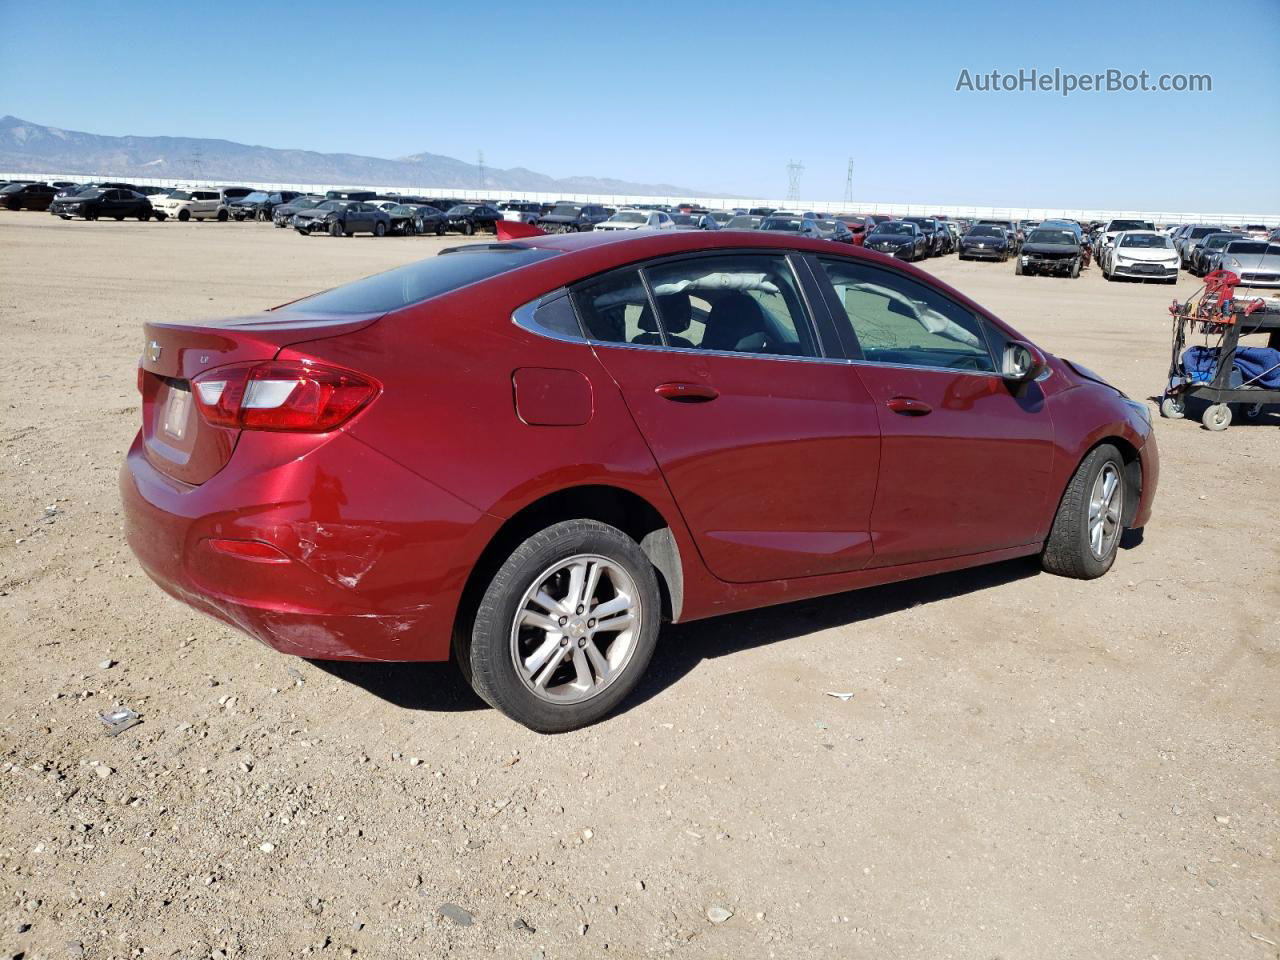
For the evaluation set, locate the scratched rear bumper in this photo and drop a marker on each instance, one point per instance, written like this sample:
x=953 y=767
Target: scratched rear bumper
x=374 y=557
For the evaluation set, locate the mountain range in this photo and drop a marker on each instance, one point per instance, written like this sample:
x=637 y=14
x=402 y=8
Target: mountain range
x=27 y=147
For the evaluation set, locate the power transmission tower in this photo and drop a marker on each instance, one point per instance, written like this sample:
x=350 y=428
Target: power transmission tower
x=848 y=183
x=480 y=166
x=794 y=169
x=196 y=159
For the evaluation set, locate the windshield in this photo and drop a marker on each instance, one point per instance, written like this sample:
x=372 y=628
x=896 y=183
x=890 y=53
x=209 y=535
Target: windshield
x=783 y=224
x=305 y=203
x=893 y=227
x=1150 y=241
x=255 y=197
x=743 y=223
x=332 y=205
x=13 y=187
x=565 y=210
x=420 y=281
x=985 y=232
x=461 y=209
x=629 y=217
x=1252 y=247
x=1052 y=236
x=1127 y=225
x=1199 y=232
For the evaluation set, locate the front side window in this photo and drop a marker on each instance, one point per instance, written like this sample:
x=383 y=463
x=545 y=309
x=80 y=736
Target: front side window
x=899 y=320
x=739 y=303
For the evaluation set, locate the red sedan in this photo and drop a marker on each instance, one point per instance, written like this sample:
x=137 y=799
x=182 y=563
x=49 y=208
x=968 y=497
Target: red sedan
x=530 y=454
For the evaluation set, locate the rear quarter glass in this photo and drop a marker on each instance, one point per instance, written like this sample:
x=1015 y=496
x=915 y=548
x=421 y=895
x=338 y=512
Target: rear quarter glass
x=416 y=282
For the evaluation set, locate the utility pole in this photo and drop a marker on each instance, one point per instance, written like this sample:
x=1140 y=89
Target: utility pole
x=848 y=183
x=196 y=159
x=480 y=168
x=794 y=169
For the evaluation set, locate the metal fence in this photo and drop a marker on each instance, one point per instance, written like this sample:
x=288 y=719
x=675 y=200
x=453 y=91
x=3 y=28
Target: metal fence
x=905 y=209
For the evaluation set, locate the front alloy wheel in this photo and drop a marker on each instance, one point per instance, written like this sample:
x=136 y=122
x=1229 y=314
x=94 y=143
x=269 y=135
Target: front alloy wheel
x=1086 y=530
x=565 y=628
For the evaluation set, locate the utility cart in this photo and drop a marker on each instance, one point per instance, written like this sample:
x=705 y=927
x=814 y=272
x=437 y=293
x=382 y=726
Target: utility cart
x=1208 y=373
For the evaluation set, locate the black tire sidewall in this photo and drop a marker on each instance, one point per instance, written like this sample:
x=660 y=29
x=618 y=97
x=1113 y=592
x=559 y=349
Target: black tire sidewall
x=1067 y=551
x=491 y=671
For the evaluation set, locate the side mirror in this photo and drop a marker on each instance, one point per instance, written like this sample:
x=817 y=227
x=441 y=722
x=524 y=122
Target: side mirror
x=1022 y=362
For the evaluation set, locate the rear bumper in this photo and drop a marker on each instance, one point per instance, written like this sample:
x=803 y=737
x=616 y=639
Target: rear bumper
x=374 y=557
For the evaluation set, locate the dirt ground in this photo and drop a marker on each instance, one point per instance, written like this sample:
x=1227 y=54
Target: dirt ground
x=1028 y=766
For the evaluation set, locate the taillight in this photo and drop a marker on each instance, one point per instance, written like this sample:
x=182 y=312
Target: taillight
x=281 y=395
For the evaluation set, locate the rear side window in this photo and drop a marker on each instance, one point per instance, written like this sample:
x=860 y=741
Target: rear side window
x=615 y=309
x=420 y=281
x=899 y=320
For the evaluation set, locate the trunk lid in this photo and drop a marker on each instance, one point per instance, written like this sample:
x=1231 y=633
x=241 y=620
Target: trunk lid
x=177 y=439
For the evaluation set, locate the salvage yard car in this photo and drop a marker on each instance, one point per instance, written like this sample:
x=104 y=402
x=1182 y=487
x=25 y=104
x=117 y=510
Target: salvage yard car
x=617 y=429
x=573 y=217
x=94 y=202
x=1141 y=255
x=1255 y=262
x=898 y=238
x=1050 y=250
x=638 y=220
x=27 y=196
x=342 y=218
x=984 y=242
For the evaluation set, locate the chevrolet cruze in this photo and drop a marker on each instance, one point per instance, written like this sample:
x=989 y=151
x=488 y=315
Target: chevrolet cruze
x=528 y=455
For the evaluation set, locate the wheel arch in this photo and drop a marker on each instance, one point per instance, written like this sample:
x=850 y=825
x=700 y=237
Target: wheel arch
x=617 y=506
x=1132 y=473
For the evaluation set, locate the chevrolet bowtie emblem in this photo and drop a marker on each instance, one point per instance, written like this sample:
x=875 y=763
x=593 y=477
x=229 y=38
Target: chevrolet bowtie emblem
x=153 y=350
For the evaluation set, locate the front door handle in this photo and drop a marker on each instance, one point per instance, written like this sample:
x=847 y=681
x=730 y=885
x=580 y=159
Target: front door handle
x=686 y=392
x=909 y=406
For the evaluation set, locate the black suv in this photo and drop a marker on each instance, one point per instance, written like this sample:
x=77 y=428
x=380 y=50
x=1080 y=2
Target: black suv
x=572 y=217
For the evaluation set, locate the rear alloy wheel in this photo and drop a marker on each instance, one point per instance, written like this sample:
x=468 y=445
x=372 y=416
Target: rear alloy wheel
x=1216 y=417
x=379 y=229
x=566 y=627
x=1086 y=530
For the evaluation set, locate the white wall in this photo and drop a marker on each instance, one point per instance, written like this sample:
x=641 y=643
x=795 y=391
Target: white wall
x=714 y=203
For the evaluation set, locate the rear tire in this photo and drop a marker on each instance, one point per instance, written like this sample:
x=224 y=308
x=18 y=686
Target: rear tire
x=501 y=632
x=1086 y=530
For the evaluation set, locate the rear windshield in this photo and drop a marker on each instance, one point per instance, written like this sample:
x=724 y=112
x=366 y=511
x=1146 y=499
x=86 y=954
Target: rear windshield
x=420 y=281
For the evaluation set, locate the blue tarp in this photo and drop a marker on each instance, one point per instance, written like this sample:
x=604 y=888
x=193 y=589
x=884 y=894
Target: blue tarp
x=1255 y=366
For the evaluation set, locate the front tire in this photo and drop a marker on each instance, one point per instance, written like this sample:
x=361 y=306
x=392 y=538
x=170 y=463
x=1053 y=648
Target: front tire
x=468 y=228
x=184 y=215
x=1086 y=530
x=222 y=216
x=379 y=229
x=335 y=229
x=566 y=627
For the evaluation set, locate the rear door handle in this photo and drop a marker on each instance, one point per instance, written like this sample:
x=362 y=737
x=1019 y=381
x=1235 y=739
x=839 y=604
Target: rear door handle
x=909 y=406
x=686 y=392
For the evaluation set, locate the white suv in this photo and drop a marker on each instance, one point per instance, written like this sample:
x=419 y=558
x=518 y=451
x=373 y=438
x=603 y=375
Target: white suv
x=201 y=203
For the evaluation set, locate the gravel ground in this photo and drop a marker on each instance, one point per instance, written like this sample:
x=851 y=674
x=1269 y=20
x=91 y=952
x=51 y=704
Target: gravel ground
x=1027 y=767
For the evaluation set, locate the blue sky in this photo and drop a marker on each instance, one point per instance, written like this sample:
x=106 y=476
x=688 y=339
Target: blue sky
x=716 y=95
